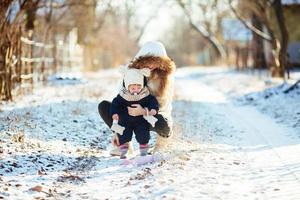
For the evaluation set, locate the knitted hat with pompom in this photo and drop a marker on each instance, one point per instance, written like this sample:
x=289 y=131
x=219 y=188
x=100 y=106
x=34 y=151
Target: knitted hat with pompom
x=135 y=76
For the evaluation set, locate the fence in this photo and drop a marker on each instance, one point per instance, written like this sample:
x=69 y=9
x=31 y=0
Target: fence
x=30 y=62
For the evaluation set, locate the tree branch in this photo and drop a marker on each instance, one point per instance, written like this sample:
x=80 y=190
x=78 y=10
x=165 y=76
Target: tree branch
x=102 y=18
x=60 y=6
x=249 y=25
x=143 y=28
x=205 y=34
x=291 y=87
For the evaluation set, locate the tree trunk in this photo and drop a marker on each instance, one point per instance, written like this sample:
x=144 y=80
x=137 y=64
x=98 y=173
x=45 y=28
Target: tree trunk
x=284 y=37
x=3 y=47
x=31 y=8
x=54 y=52
x=217 y=46
x=259 y=59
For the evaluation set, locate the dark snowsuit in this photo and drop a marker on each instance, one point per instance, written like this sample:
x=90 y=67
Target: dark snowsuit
x=137 y=124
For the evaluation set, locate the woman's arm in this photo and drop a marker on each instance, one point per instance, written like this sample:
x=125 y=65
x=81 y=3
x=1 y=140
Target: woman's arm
x=153 y=106
x=115 y=104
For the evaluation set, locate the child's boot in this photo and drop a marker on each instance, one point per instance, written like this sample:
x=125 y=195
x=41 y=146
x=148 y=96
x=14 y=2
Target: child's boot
x=117 y=152
x=144 y=149
x=123 y=150
x=162 y=144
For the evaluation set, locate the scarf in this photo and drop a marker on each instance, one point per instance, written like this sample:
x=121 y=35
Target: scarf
x=131 y=97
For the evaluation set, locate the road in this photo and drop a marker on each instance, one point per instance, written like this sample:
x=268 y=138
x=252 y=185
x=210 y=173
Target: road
x=221 y=149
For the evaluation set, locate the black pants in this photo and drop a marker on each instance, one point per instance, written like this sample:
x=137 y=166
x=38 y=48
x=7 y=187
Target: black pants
x=141 y=132
x=162 y=126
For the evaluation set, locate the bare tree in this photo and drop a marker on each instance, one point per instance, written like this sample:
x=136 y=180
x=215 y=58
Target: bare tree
x=11 y=13
x=261 y=10
x=18 y=18
x=100 y=33
x=138 y=30
x=188 y=44
x=205 y=27
x=284 y=38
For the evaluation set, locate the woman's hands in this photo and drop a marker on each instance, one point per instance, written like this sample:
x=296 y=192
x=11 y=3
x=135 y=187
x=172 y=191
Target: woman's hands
x=136 y=110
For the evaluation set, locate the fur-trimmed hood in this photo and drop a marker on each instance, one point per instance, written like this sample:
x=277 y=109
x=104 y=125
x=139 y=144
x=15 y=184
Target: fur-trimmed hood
x=153 y=52
x=165 y=65
x=159 y=77
x=160 y=82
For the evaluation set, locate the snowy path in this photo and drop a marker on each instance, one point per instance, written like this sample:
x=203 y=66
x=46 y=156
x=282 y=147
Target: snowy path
x=265 y=153
x=222 y=151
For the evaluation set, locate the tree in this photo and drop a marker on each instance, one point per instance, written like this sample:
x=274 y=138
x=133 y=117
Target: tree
x=11 y=13
x=188 y=44
x=284 y=38
x=208 y=24
x=262 y=11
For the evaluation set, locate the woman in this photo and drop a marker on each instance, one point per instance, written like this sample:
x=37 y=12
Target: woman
x=152 y=55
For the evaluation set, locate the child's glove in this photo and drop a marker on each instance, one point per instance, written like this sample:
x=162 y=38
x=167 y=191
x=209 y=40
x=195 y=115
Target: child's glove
x=149 y=118
x=117 y=128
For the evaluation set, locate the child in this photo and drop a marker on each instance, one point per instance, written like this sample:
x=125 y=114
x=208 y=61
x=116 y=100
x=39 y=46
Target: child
x=133 y=92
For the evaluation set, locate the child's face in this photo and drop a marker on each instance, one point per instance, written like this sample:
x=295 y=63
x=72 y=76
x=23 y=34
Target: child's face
x=134 y=88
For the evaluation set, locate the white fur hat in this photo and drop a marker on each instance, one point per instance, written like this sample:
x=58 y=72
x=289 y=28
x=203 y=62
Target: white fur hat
x=134 y=76
x=152 y=49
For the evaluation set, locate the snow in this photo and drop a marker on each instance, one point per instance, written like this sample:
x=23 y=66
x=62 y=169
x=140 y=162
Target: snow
x=231 y=141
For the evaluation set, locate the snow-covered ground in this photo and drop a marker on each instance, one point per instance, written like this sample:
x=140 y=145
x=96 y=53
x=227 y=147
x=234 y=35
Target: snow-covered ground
x=237 y=137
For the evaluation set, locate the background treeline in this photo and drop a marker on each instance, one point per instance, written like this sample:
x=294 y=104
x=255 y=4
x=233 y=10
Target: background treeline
x=42 y=37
